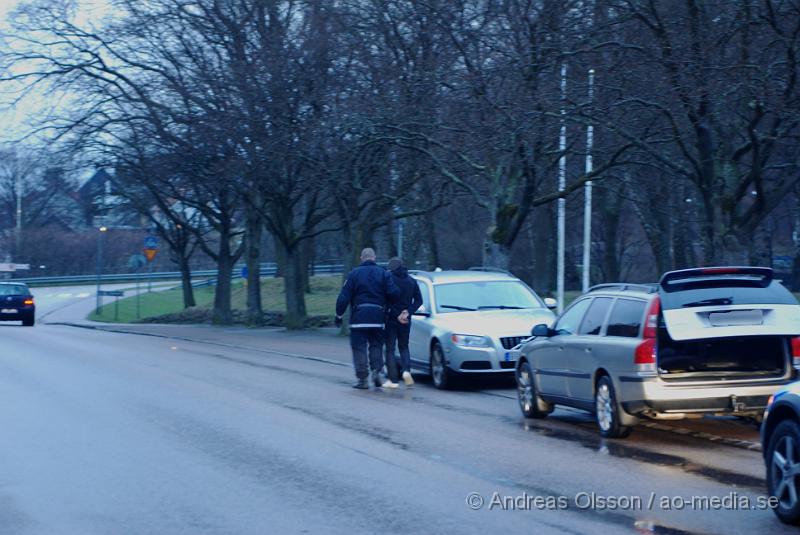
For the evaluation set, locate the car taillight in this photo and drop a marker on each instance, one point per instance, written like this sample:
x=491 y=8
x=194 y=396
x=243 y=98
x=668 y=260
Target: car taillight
x=796 y=352
x=28 y=302
x=645 y=355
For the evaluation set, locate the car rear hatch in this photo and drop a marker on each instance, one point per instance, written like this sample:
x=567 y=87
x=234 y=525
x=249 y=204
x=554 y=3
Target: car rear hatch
x=722 y=324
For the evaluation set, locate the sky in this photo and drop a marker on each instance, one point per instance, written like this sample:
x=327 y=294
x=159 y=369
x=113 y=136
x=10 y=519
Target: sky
x=16 y=118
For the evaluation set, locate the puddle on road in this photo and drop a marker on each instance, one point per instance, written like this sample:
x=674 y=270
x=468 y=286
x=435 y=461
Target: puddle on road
x=623 y=451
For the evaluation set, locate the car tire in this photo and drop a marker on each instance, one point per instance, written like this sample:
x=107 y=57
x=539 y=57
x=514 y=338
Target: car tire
x=783 y=457
x=441 y=375
x=29 y=322
x=607 y=410
x=531 y=405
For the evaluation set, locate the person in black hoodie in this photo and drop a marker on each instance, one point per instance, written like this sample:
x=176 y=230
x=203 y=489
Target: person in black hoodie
x=368 y=291
x=398 y=323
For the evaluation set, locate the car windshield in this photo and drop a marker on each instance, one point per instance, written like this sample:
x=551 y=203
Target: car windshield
x=14 y=289
x=485 y=295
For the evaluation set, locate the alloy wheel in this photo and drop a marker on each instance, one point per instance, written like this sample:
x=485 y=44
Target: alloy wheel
x=785 y=468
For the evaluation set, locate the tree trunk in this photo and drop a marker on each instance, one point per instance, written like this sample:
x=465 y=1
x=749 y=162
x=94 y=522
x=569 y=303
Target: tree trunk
x=543 y=249
x=433 y=243
x=255 y=230
x=222 y=314
x=307 y=249
x=496 y=255
x=294 y=290
x=186 y=281
x=280 y=257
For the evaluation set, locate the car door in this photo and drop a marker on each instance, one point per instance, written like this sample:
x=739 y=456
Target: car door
x=550 y=356
x=421 y=329
x=582 y=358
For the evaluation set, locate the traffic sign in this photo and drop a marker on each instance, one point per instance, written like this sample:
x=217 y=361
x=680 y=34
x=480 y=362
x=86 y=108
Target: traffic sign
x=244 y=272
x=10 y=267
x=137 y=261
x=150 y=247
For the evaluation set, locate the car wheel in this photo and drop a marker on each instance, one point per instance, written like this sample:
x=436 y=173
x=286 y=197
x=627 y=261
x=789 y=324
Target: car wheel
x=783 y=470
x=529 y=401
x=29 y=322
x=439 y=372
x=607 y=410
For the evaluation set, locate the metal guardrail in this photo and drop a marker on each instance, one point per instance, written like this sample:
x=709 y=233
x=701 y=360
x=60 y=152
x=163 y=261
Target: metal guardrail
x=266 y=270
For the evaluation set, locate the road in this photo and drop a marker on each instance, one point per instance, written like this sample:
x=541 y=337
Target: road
x=235 y=431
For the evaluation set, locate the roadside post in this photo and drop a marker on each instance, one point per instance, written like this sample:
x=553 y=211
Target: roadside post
x=136 y=262
x=150 y=252
x=113 y=293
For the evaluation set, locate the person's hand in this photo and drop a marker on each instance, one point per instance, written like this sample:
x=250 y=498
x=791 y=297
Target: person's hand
x=338 y=321
x=403 y=317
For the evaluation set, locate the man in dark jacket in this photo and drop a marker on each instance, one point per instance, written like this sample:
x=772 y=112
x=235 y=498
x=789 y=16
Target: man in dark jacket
x=368 y=290
x=398 y=323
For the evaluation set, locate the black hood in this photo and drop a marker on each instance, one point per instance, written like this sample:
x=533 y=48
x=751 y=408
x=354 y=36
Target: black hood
x=401 y=272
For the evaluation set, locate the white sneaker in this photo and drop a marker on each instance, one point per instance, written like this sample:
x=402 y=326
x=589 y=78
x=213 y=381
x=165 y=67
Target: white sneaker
x=390 y=384
x=408 y=379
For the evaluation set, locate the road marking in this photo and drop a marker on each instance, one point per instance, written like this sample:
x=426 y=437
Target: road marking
x=83 y=295
x=63 y=296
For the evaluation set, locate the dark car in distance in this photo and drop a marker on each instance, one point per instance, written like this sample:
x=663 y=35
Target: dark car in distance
x=16 y=303
x=780 y=441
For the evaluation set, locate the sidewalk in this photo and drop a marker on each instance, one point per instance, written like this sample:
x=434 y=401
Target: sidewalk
x=322 y=344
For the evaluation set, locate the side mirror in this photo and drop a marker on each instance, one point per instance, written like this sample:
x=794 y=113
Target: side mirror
x=422 y=311
x=541 y=330
x=550 y=303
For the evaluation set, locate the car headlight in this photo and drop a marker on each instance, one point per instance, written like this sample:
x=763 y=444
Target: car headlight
x=469 y=340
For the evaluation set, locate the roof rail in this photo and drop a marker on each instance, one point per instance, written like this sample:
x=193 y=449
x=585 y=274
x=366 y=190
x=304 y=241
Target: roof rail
x=649 y=288
x=490 y=269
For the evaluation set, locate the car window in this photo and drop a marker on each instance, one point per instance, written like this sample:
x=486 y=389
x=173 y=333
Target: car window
x=593 y=320
x=14 y=289
x=484 y=295
x=626 y=318
x=571 y=318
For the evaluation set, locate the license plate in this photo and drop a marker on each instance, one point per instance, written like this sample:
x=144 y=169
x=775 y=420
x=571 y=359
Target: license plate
x=9 y=311
x=736 y=318
x=508 y=356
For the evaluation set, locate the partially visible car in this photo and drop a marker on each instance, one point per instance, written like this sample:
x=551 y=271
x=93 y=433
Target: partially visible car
x=715 y=340
x=470 y=321
x=17 y=304
x=780 y=441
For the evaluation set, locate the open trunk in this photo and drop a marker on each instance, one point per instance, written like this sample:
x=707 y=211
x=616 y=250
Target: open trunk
x=732 y=358
x=727 y=323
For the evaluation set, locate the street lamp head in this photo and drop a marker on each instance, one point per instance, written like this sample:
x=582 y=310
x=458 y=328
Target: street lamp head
x=103 y=229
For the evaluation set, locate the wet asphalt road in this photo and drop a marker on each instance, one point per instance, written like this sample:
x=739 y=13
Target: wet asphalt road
x=111 y=433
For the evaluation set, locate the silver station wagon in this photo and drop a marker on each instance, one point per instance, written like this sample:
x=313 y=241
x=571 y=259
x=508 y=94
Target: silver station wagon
x=470 y=321
x=701 y=341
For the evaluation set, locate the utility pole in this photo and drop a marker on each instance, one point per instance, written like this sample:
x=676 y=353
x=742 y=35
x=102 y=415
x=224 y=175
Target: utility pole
x=562 y=184
x=18 y=237
x=587 y=206
x=102 y=230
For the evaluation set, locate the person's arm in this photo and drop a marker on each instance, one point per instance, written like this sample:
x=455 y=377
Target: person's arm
x=416 y=299
x=345 y=297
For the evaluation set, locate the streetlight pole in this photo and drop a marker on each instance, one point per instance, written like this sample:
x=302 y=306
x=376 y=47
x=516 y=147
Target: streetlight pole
x=562 y=184
x=18 y=185
x=102 y=230
x=587 y=206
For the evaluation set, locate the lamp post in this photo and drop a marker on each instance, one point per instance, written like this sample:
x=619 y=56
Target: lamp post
x=562 y=184
x=587 y=207
x=102 y=230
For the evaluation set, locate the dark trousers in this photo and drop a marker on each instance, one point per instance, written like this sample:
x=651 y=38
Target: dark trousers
x=397 y=333
x=364 y=343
